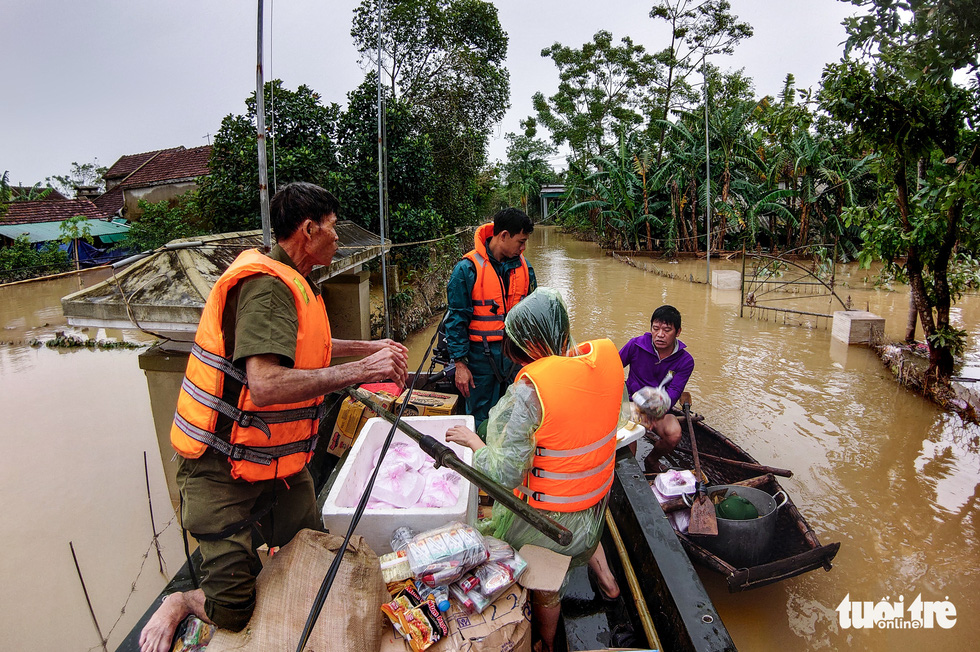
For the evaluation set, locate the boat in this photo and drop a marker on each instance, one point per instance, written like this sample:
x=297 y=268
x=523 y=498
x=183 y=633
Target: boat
x=681 y=616
x=796 y=548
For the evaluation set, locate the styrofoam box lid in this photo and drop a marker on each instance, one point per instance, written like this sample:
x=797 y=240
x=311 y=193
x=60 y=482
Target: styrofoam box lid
x=675 y=483
x=377 y=523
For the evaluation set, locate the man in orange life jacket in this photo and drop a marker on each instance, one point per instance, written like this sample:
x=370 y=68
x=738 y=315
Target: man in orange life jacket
x=250 y=405
x=483 y=288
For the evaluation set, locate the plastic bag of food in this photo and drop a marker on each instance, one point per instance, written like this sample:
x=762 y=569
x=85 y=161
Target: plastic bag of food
x=652 y=402
x=494 y=578
x=441 y=556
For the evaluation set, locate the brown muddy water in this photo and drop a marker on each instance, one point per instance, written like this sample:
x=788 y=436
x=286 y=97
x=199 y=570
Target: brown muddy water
x=876 y=467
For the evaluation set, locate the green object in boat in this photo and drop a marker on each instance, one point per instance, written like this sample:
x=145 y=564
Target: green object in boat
x=736 y=508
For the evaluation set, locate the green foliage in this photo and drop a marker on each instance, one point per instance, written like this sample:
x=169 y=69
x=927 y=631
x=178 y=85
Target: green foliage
x=410 y=163
x=901 y=101
x=445 y=60
x=21 y=260
x=697 y=30
x=163 y=221
x=603 y=91
x=526 y=170
x=299 y=129
x=76 y=228
x=81 y=174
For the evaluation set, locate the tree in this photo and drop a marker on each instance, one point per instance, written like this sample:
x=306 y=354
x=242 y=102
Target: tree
x=902 y=102
x=603 y=90
x=527 y=167
x=300 y=131
x=74 y=229
x=445 y=60
x=21 y=260
x=163 y=221
x=81 y=174
x=697 y=30
x=410 y=165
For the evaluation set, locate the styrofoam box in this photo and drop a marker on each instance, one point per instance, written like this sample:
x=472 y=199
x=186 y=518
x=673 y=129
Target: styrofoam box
x=377 y=524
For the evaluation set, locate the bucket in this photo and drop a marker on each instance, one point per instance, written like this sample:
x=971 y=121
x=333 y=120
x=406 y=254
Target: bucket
x=748 y=543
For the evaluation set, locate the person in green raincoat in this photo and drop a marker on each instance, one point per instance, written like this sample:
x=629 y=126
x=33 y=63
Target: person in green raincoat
x=536 y=328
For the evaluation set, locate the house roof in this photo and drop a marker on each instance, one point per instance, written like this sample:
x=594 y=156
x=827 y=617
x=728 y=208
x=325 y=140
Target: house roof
x=110 y=202
x=49 y=231
x=31 y=212
x=162 y=166
x=23 y=191
x=165 y=292
x=128 y=164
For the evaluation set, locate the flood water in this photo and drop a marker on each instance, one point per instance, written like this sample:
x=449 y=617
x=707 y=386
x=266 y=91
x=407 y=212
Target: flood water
x=879 y=469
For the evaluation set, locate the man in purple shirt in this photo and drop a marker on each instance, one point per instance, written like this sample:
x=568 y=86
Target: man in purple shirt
x=650 y=356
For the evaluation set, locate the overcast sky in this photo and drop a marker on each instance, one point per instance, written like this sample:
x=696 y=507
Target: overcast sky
x=98 y=79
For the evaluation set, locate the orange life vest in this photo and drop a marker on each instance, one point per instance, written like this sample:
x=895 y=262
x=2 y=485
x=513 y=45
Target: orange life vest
x=273 y=441
x=581 y=396
x=489 y=304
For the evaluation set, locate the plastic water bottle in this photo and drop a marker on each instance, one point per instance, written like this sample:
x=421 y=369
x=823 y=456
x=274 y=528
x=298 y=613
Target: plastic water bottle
x=400 y=538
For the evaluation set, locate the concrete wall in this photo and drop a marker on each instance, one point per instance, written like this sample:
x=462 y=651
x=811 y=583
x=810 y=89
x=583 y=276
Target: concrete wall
x=164 y=366
x=152 y=194
x=348 y=305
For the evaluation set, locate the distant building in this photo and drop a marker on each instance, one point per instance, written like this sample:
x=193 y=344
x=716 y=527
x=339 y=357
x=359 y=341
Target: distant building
x=40 y=221
x=17 y=192
x=153 y=176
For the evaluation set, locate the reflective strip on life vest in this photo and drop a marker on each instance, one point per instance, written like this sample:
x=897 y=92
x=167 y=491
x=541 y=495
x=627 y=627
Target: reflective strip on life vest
x=572 y=452
x=555 y=475
x=545 y=498
x=247 y=419
x=220 y=363
x=264 y=455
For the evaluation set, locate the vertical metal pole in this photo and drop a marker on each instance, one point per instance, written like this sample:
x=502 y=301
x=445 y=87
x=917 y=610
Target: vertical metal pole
x=381 y=189
x=707 y=173
x=260 y=133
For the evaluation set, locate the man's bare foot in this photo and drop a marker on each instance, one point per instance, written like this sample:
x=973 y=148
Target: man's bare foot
x=158 y=633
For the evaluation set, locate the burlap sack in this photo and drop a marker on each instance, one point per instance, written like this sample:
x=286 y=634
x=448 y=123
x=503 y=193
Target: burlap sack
x=285 y=589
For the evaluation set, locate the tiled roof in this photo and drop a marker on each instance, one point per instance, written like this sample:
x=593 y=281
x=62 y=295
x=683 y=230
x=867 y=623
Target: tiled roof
x=29 y=212
x=126 y=164
x=110 y=202
x=21 y=191
x=171 y=164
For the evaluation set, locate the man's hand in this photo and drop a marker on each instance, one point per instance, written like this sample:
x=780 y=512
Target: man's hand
x=464 y=379
x=389 y=361
x=465 y=437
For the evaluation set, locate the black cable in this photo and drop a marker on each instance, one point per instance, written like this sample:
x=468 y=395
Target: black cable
x=328 y=579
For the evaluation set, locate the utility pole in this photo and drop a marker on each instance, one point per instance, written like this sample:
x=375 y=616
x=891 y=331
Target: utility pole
x=260 y=133
x=707 y=171
x=382 y=182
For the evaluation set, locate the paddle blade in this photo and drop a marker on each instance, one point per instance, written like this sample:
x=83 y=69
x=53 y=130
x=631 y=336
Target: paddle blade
x=703 y=518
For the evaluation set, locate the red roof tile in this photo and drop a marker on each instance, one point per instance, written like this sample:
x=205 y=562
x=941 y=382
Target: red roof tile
x=170 y=165
x=29 y=212
x=127 y=164
x=22 y=191
x=110 y=202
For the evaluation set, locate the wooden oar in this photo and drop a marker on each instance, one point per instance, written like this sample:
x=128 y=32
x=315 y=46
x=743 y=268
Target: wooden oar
x=749 y=466
x=445 y=456
x=703 y=518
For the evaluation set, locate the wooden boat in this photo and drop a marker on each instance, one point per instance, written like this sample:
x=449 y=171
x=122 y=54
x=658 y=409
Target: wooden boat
x=796 y=549
x=681 y=612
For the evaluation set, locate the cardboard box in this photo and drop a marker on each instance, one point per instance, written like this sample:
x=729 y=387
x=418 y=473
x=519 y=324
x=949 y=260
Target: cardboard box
x=505 y=626
x=428 y=404
x=354 y=414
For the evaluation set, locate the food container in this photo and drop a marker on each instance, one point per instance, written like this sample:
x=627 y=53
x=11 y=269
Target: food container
x=377 y=523
x=675 y=483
